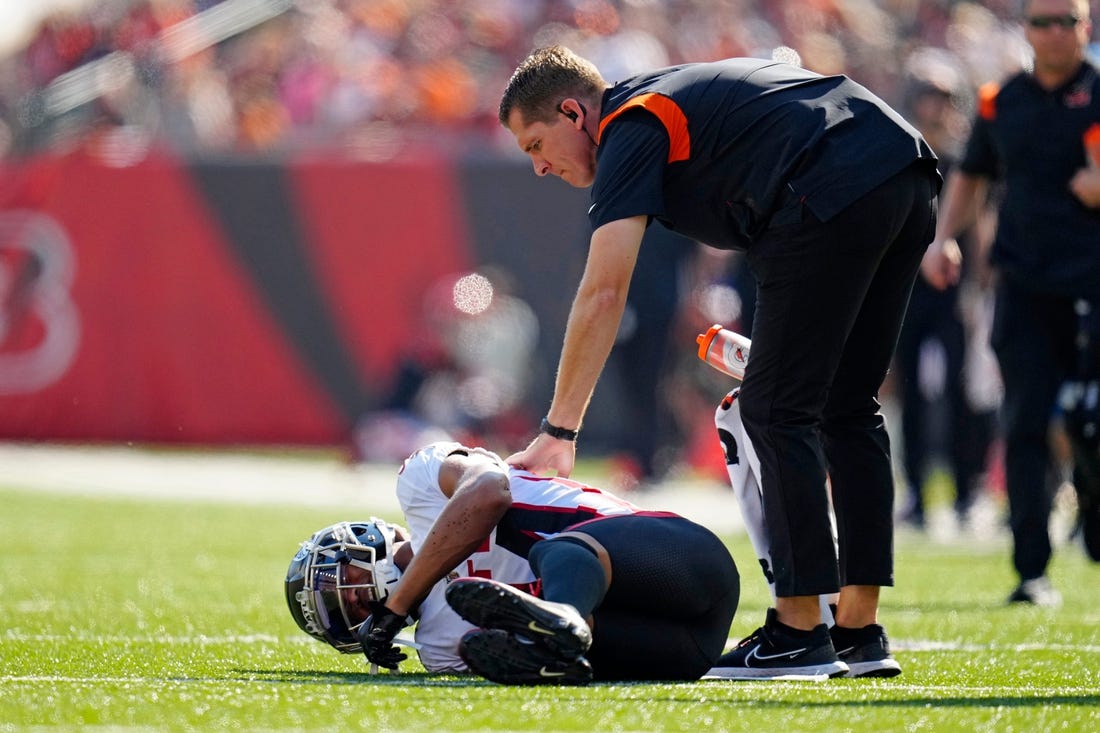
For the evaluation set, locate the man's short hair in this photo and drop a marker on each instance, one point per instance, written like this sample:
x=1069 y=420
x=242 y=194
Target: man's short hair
x=1084 y=7
x=547 y=76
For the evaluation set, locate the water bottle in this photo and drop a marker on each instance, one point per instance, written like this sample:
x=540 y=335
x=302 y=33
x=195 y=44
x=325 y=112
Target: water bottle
x=725 y=350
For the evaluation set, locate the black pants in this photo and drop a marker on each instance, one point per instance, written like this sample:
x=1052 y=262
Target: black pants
x=1034 y=337
x=830 y=300
x=934 y=314
x=673 y=595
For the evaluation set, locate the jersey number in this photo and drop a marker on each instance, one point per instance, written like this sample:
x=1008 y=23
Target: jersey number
x=472 y=569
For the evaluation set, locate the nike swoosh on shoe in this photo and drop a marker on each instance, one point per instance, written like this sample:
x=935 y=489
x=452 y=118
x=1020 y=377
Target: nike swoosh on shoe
x=790 y=656
x=533 y=626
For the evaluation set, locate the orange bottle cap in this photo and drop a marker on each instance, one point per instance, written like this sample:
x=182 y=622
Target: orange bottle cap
x=705 y=339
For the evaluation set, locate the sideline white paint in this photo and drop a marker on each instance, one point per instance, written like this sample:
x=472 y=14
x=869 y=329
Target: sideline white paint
x=299 y=478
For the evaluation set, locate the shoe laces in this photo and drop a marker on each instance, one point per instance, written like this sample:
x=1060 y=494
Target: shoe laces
x=761 y=634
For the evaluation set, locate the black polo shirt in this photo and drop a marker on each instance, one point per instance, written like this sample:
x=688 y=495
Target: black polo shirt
x=1032 y=139
x=720 y=151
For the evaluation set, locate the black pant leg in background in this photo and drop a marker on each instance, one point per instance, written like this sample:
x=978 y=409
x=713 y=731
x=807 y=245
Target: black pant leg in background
x=1034 y=338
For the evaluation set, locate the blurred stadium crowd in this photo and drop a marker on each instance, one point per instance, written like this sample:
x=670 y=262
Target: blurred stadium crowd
x=369 y=78
x=374 y=80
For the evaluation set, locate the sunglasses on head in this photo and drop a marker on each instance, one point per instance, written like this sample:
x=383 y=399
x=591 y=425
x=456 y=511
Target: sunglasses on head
x=1046 y=21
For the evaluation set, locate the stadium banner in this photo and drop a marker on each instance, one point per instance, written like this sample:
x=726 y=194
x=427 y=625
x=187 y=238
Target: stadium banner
x=216 y=302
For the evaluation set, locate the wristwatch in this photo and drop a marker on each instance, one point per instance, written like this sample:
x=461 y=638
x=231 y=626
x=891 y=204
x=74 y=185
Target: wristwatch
x=555 y=432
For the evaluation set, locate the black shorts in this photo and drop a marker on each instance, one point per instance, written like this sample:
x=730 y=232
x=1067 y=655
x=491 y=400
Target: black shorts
x=673 y=595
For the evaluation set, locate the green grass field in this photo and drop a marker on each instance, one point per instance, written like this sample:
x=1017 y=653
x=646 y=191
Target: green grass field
x=169 y=615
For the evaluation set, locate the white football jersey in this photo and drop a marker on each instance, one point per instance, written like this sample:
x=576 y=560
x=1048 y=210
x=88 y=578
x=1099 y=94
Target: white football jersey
x=541 y=507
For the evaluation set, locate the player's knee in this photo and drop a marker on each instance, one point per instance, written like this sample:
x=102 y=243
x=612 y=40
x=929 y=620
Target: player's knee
x=560 y=545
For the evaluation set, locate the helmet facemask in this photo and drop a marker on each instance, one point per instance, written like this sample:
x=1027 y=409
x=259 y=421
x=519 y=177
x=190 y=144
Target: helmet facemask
x=336 y=575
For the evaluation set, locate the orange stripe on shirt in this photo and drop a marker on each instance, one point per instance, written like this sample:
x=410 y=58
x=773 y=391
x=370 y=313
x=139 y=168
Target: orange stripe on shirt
x=670 y=115
x=987 y=100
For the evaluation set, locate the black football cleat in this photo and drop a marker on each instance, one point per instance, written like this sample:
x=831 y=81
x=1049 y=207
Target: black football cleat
x=492 y=605
x=507 y=659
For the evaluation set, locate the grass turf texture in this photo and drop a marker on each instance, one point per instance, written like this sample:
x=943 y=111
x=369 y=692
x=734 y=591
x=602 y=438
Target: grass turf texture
x=170 y=616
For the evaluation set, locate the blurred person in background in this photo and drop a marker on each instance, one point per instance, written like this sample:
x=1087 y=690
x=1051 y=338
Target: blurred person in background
x=466 y=373
x=643 y=441
x=718 y=288
x=939 y=409
x=1031 y=132
x=832 y=195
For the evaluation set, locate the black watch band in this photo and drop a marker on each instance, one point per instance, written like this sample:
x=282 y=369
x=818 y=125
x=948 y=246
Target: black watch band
x=555 y=432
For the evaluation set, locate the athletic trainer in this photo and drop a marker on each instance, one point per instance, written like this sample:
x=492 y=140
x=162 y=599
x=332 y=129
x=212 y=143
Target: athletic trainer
x=832 y=195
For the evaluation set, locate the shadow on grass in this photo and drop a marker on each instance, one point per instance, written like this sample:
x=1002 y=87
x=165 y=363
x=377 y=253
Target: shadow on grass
x=328 y=677
x=427 y=679
x=414 y=679
x=1032 y=701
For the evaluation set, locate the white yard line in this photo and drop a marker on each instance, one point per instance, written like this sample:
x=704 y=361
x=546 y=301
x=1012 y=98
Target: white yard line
x=199 y=475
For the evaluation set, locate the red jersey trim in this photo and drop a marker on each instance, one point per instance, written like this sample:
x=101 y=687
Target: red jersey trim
x=643 y=513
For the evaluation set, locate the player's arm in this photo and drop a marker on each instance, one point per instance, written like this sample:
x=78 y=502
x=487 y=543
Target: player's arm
x=958 y=207
x=478 y=487
x=589 y=335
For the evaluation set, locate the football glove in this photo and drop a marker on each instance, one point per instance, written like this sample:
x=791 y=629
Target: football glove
x=376 y=635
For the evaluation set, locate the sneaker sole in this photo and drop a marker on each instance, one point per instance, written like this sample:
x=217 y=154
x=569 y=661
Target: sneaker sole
x=497 y=656
x=816 y=672
x=879 y=668
x=869 y=655
x=493 y=605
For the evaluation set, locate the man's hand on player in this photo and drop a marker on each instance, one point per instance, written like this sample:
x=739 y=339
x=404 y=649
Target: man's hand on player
x=546 y=454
